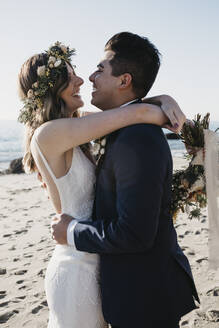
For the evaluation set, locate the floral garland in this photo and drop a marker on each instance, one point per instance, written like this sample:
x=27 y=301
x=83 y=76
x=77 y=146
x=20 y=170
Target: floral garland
x=98 y=148
x=58 y=55
x=189 y=185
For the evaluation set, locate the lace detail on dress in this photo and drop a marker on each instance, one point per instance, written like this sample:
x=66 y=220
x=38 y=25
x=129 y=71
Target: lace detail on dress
x=71 y=283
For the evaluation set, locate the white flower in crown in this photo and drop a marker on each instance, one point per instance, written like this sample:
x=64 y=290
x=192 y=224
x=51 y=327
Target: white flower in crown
x=64 y=49
x=41 y=70
x=102 y=151
x=58 y=63
x=103 y=142
x=30 y=93
x=35 y=85
x=52 y=59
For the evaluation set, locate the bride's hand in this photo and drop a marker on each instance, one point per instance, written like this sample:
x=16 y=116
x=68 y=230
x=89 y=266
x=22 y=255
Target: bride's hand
x=172 y=111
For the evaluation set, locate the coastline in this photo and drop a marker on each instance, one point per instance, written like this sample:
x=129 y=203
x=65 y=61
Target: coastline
x=26 y=247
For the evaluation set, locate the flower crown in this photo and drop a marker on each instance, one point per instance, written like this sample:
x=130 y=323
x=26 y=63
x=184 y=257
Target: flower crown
x=58 y=55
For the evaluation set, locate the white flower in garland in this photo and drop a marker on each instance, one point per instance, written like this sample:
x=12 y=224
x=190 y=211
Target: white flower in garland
x=30 y=94
x=58 y=63
x=99 y=147
x=96 y=149
x=52 y=59
x=103 y=142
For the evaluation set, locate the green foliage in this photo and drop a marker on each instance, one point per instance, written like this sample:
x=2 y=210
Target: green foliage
x=189 y=185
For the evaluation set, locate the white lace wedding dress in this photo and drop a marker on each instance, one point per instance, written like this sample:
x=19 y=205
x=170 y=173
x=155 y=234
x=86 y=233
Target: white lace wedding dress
x=71 y=281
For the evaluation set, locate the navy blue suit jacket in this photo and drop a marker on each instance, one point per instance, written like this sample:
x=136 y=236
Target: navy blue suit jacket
x=144 y=275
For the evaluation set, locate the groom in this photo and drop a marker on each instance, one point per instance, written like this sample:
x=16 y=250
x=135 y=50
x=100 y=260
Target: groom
x=145 y=278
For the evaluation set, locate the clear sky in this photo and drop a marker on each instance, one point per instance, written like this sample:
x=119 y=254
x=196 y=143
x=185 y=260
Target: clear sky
x=185 y=32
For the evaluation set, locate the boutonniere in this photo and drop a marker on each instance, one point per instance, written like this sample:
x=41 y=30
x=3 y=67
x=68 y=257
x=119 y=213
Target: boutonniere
x=99 y=148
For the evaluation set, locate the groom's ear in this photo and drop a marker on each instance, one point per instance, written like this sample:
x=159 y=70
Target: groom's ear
x=125 y=81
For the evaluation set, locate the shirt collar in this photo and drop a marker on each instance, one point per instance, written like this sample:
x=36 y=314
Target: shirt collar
x=123 y=105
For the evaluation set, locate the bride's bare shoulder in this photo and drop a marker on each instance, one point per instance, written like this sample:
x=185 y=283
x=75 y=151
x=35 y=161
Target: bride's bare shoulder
x=45 y=131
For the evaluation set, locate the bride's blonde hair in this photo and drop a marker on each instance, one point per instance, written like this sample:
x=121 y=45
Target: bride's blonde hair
x=53 y=105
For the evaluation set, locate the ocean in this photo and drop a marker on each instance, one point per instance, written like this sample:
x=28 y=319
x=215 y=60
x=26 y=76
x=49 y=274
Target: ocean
x=12 y=142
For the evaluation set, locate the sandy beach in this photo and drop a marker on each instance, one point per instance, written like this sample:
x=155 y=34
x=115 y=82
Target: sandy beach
x=26 y=247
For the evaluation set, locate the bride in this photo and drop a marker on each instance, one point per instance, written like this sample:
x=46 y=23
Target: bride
x=57 y=147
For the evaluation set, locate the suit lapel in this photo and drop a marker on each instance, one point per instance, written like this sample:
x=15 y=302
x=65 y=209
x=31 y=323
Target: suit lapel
x=109 y=139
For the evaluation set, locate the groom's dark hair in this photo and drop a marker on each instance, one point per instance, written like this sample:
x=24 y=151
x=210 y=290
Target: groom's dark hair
x=137 y=56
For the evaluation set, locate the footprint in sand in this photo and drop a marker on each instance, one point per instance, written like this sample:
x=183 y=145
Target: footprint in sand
x=26 y=255
x=184 y=248
x=43 y=239
x=18 y=232
x=29 y=245
x=4 y=304
x=20 y=272
x=3 y=271
x=4 y=317
x=44 y=303
x=191 y=253
x=202 y=259
x=2 y=293
x=41 y=273
x=7 y=235
x=213 y=292
x=21 y=297
x=12 y=248
x=37 y=309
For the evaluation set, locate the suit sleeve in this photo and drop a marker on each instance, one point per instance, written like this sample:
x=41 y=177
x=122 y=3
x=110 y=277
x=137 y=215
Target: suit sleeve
x=140 y=171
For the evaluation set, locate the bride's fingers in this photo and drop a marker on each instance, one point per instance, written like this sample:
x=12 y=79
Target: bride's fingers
x=171 y=118
x=170 y=128
x=176 y=118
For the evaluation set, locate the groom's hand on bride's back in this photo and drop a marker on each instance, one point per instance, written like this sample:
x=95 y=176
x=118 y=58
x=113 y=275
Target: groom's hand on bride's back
x=59 y=227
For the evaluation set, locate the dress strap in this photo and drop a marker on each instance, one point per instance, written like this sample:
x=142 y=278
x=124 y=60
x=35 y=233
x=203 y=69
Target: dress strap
x=35 y=143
